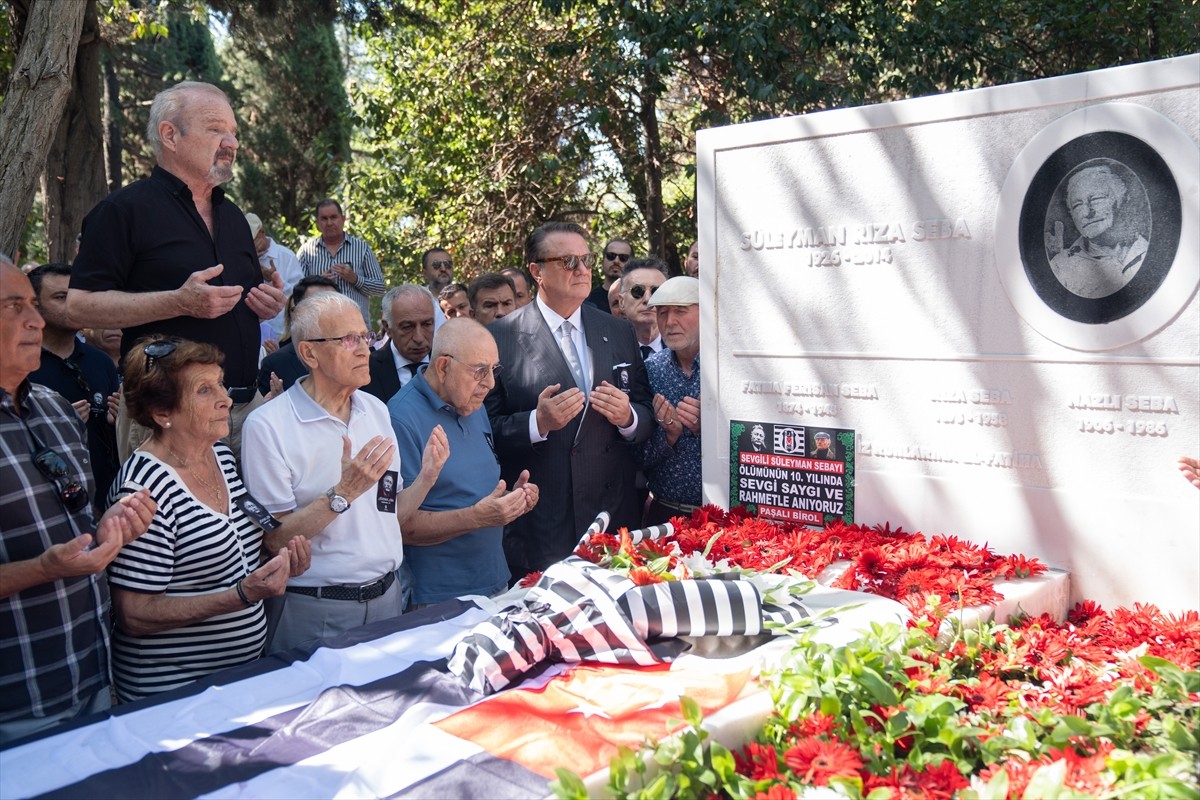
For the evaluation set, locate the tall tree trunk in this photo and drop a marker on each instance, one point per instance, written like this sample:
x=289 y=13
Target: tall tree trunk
x=113 y=119
x=33 y=106
x=652 y=168
x=74 y=178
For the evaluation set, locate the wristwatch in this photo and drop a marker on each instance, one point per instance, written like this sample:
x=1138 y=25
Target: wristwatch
x=337 y=503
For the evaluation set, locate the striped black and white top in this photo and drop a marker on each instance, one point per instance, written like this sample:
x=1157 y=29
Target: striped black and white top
x=189 y=549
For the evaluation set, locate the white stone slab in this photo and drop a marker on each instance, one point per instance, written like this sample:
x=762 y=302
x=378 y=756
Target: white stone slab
x=985 y=404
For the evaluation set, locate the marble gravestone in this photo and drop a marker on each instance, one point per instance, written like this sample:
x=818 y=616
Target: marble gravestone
x=991 y=297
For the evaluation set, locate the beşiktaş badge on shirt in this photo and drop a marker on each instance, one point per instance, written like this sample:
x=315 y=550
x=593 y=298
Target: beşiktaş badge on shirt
x=256 y=512
x=385 y=492
x=621 y=377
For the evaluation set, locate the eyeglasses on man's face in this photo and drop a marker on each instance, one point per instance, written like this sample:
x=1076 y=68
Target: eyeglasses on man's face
x=571 y=263
x=71 y=492
x=442 y=264
x=640 y=290
x=350 y=341
x=478 y=371
x=622 y=257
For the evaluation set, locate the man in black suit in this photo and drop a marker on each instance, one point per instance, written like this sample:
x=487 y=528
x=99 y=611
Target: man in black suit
x=408 y=312
x=568 y=405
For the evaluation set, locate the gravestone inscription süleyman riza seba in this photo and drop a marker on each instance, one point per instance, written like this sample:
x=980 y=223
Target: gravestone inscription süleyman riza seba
x=991 y=296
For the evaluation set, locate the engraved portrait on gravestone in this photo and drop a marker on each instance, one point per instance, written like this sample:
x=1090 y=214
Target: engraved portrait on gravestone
x=1108 y=209
x=1099 y=227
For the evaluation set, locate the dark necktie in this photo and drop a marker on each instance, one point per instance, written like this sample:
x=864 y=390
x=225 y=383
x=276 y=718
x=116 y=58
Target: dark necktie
x=412 y=368
x=647 y=351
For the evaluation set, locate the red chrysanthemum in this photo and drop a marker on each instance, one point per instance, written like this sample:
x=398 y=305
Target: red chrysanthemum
x=757 y=761
x=815 y=724
x=902 y=782
x=815 y=760
x=644 y=576
x=1084 y=611
x=530 y=579
x=986 y=693
x=941 y=782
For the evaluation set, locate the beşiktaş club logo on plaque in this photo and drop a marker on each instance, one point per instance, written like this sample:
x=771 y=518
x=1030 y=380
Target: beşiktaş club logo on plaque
x=789 y=440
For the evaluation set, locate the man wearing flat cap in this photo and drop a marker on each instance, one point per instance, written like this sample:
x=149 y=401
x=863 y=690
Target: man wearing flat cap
x=824 y=448
x=671 y=457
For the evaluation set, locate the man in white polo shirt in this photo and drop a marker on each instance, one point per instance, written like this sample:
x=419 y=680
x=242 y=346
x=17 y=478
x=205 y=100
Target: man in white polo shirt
x=350 y=508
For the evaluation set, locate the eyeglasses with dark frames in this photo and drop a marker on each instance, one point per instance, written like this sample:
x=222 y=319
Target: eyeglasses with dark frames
x=571 y=263
x=71 y=492
x=622 y=257
x=640 y=290
x=444 y=263
x=349 y=341
x=157 y=350
x=479 y=371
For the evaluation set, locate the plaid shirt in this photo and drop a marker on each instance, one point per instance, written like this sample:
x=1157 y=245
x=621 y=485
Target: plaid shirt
x=54 y=639
x=315 y=259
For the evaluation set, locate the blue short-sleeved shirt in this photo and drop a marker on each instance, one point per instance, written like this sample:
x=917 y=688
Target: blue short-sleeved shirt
x=472 y=563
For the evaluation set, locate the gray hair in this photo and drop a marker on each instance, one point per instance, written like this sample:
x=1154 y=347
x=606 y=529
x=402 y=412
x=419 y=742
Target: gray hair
x=404 y=290
x=168 y=106
x=306 y=317
x=649 y=262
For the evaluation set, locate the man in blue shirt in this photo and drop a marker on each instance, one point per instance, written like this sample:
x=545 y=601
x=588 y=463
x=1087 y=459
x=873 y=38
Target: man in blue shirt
x=671 y=457
x=454 y=544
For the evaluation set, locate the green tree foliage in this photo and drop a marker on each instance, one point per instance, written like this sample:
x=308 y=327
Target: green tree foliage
x=288 y=80
x=464 y=135
x=8 y=48
x=476 y=119
x=465 y=117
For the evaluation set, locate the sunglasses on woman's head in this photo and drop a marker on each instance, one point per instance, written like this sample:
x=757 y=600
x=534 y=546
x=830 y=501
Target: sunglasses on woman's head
x=156 y=350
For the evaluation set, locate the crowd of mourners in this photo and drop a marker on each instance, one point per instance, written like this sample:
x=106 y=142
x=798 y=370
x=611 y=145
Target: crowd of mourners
x=210 y=453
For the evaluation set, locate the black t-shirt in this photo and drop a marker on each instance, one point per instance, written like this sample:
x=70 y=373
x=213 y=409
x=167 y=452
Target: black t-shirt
x=149 y=237
x=599 y=299
x=87 y=374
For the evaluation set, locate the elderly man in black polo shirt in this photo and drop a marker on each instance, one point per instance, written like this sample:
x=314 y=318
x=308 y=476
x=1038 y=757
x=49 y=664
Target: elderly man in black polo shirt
x=54 y=649
x=169 y=254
